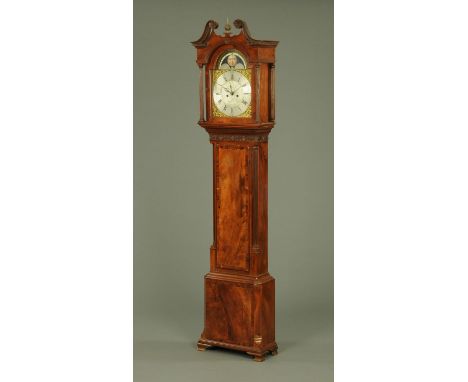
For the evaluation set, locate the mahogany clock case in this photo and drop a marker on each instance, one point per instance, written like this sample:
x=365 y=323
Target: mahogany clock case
x=239 y=291
x=173 y=198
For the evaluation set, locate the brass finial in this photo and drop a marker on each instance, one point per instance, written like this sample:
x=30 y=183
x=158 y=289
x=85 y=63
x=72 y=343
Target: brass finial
x=227 y=27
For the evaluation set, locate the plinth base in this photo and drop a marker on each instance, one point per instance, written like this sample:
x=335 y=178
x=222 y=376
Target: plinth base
x=258 y=353
x=240 y=314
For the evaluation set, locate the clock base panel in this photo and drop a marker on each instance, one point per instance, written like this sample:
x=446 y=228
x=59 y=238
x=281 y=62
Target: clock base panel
x=258 y=354
x=240 y=314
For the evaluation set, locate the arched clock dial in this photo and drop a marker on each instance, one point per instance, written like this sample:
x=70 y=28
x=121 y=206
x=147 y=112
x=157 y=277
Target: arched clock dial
x=232 y=93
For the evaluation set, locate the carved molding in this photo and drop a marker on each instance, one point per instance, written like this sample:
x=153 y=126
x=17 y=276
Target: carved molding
x=255 y=349
x=240 y=24
x=239 y=138
x=240 y=278
x=210 y=27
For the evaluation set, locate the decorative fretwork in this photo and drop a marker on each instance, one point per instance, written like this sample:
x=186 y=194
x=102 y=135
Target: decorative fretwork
x=239 y=138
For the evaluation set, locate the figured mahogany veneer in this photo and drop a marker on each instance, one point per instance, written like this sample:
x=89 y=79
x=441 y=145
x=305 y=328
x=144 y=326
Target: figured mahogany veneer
x=239 y=291
x=233 y=207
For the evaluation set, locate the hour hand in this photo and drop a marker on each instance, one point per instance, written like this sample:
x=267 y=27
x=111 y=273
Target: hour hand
x=225 y=88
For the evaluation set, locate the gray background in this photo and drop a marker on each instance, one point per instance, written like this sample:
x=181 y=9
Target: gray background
x=172 y=192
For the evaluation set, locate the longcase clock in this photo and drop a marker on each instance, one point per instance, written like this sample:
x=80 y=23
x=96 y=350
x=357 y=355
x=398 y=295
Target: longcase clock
x=237 y=109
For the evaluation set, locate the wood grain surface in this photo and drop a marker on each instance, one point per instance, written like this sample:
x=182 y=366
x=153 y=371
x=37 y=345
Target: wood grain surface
x=239 y=291
x=233 y=208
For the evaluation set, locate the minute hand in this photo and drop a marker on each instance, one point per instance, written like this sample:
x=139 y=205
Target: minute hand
x=240 y=86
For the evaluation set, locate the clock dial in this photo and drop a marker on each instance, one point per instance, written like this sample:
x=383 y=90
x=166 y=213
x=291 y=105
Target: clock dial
x=232 y=93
